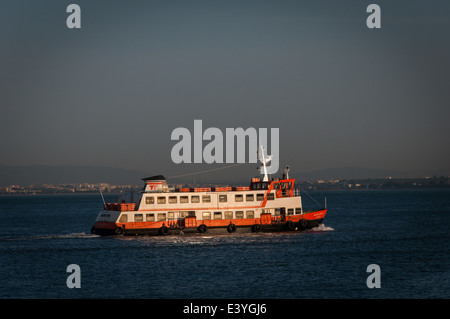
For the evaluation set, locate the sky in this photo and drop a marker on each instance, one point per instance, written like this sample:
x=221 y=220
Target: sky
x=111 y=93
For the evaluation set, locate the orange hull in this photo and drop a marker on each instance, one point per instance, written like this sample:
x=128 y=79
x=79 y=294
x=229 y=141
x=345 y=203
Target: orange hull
x=191 y=225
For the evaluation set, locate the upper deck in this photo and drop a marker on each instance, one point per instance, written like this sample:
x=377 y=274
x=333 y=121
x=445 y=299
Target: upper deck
x=156 y=195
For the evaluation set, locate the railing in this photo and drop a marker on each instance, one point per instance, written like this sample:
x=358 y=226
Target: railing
x=121 y=207
x=288 y=192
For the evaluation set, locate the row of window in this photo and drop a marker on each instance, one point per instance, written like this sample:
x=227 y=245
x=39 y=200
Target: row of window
x=171 y=215
x=206 y=198
x=290 y=211
x=228 y=215
x=151 y=217
x=140 y=217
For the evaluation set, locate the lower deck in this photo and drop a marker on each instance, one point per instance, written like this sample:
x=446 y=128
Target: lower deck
x=190 y=225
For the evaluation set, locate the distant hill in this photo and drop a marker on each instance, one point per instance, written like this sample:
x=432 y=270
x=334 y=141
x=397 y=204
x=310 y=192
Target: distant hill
x=361 y=172
x=42 y=174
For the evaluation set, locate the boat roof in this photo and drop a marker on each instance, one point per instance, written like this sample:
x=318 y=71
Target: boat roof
x=154 y=178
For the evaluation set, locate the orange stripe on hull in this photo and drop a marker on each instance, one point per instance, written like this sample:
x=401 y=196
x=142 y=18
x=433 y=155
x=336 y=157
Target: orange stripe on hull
x=265 y=220
x=181 y=223
x=315 y=215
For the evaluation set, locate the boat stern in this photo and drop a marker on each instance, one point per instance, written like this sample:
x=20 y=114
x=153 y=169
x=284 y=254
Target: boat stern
x=106 y=222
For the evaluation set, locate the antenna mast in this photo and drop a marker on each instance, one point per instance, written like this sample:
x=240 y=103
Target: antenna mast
x=287 y=169
x=104 y=203
x=263 y=160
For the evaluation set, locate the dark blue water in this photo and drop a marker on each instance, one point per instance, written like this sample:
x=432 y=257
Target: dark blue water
x=406 y=233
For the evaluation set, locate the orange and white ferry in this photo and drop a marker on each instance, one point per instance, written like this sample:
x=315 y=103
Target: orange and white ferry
x=273 y=205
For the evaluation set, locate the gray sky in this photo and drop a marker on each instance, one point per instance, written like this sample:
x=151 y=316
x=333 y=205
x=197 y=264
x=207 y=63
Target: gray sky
x=112 y=92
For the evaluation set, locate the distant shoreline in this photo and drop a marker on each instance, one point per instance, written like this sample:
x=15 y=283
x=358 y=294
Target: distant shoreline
x=301 y=191
x=57 y=194
x=441 y=182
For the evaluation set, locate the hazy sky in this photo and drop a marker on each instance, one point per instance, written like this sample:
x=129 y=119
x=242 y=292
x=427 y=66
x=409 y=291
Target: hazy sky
x=112 y=92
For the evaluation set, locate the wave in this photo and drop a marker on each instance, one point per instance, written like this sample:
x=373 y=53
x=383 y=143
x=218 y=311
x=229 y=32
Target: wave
x=321 y=227
x=53 y=236
x=191 y=240
x=71 y=235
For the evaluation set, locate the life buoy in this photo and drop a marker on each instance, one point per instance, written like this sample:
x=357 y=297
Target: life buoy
x=304 y=223
x=202 y=228
x=231 y=228
x=119 y=231
x=163 y=231
x=256 y=228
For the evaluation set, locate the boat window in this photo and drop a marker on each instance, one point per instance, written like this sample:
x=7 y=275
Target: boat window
x=172 y=199
x=228 y=215
x=239 y=198
x=290 y=211
x=298 y=210
x=190 y=213
x=206 y=198
x=149 y=200
x=195 y=199
x=277 y=211
x=239 y=214
x=184 y=199
x=184 y=214
x=249 y=197
x=161 y=199
x=250 y=214
x=161 y=217
x=217 y=215
x=150 y=217
x=259 y=197
x=170 y=215
x=138 y=217
x=123 y=218
x=222 y=198
x=270 y=196
x=206 y=215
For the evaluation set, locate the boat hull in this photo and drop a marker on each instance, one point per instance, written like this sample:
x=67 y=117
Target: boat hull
x=293 y=223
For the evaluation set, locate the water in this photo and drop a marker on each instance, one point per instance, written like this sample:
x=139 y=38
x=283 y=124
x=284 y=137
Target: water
x=406 y=233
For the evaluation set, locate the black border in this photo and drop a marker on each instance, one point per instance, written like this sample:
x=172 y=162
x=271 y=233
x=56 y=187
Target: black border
x=173 y=308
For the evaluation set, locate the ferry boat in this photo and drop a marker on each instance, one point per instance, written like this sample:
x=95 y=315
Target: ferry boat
x=267 y=205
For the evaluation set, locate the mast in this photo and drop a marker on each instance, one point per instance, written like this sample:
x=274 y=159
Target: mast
x=104 y=203
x=287 y=169
x=264 y=160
